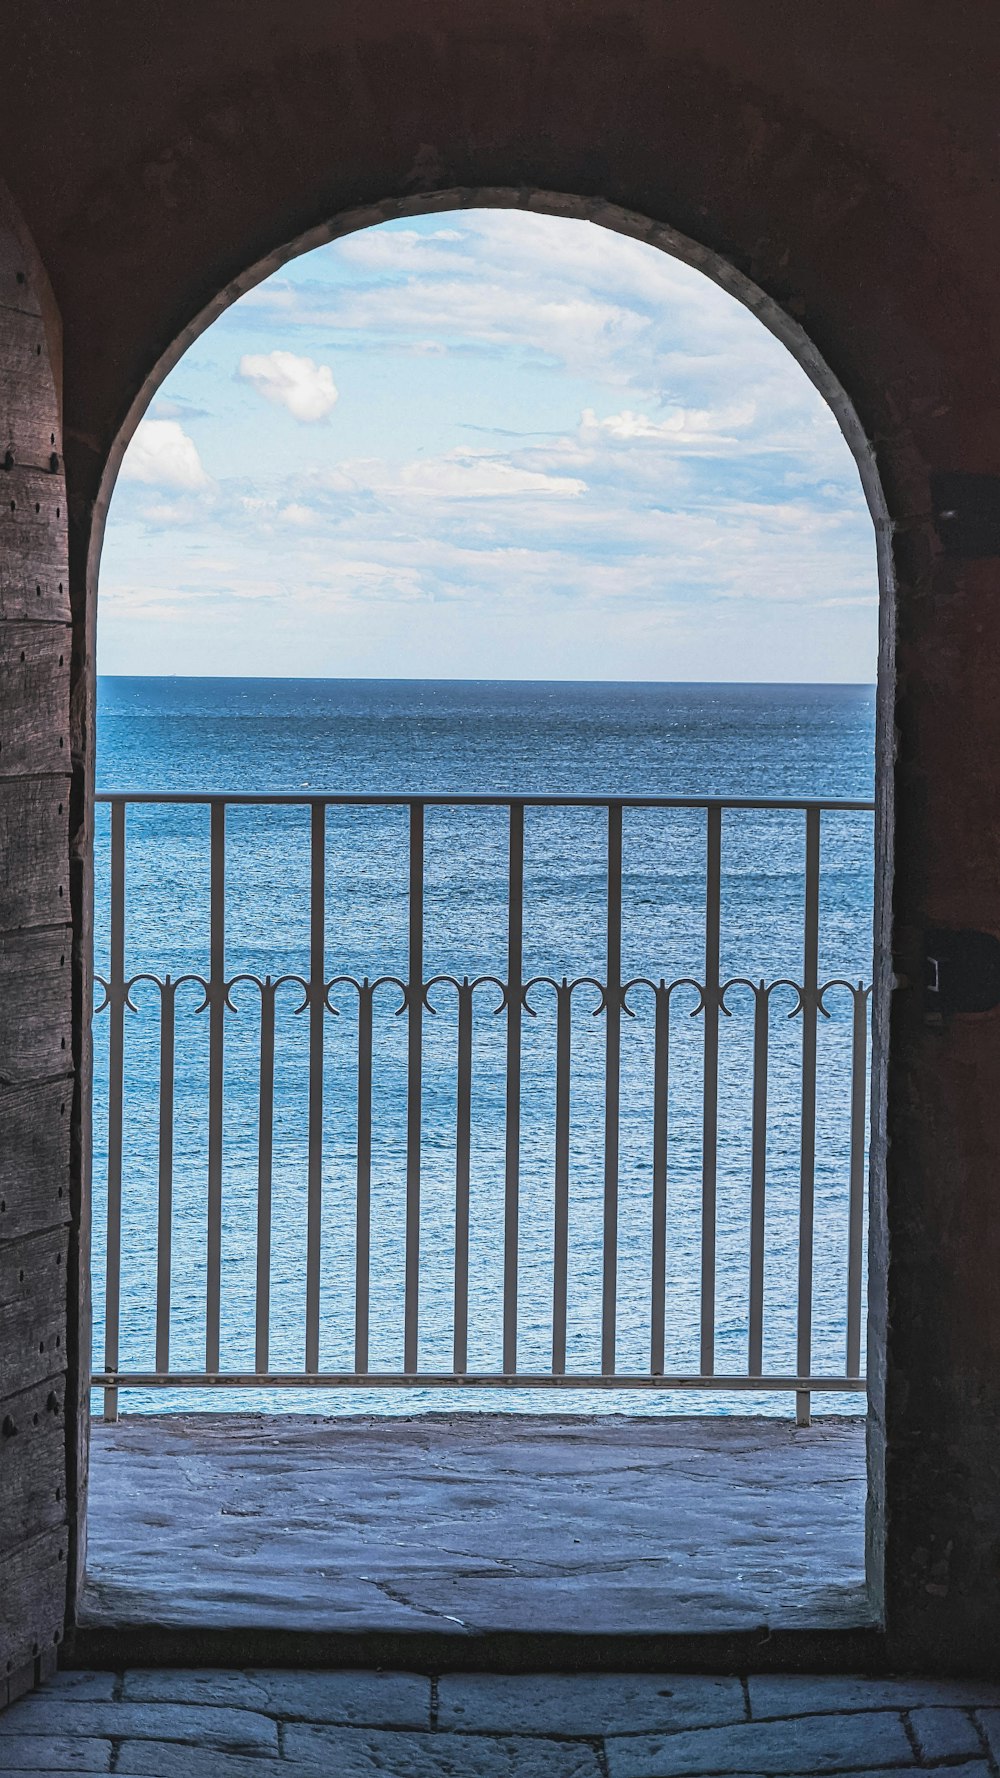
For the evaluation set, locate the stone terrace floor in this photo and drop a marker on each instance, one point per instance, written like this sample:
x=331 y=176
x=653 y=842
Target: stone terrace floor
x=208 y=1724
x=472 y=1525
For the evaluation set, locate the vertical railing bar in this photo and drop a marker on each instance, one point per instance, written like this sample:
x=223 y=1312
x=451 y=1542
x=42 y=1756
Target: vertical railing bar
x=265 y=1162
x=116 y=1092
x=363 y=1210
x=807 y=1165
x=758 y=1179
x=710 y=1105
x=661 y=1103
x=856 y=1213
x=216 y=1016
x=414 y=1088
x=463 y=1142
x=560 y=1227
x=165 y=1179
x=512 y=1143
x=612 y=1089
x=317 y=1015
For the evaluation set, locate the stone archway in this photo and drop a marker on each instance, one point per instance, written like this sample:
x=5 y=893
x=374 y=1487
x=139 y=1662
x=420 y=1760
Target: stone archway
x=778 y=321
x=842 y=174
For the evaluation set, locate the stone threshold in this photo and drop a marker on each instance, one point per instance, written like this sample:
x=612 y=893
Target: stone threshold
x=508 y=1542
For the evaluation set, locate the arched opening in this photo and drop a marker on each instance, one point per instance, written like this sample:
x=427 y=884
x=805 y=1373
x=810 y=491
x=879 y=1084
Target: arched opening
x=608 y=1250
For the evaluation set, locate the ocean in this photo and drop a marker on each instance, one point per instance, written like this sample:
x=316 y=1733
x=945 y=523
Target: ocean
x=306 y=737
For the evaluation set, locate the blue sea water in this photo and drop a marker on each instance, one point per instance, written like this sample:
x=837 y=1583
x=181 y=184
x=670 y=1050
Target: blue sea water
x=342 y=736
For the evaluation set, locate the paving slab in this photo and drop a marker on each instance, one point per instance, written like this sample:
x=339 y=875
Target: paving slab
x=478 y=1522
x=387 y=1700
x=167 y=1759
x=98 y=1687
x=192 y=1685
x=944 y=1734
x=810 y=1744
x=794 y=1694
x=989 y=1722
x=586 y=1703
x=46 y=1713
x=360 y=1753
x=53 y=1753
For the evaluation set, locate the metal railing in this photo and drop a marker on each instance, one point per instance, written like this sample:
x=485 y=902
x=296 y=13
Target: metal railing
x=317 y=998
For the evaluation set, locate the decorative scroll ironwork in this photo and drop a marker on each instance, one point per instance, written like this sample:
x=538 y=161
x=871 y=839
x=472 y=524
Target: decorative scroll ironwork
x=612 y=999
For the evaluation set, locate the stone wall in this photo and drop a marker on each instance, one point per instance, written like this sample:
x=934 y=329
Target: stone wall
x=36 y=1051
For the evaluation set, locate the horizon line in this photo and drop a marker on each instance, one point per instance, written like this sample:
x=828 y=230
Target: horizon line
x=457 y=679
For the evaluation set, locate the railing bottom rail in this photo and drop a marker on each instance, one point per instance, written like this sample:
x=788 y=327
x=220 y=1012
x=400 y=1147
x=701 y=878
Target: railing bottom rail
x=467 y=1380
x=803 y=1387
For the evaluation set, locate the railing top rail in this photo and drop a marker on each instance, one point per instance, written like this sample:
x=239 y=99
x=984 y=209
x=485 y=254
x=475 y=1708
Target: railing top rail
x=472 y=799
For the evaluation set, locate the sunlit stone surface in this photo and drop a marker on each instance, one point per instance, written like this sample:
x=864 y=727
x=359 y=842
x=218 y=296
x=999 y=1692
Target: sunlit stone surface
x=475 y=1522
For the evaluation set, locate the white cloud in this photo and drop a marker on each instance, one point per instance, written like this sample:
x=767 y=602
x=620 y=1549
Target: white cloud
x=573 y=292
x=166 y=515
x=684 y=426
x=457 y=476
x=305 y=388
x=405 y=251
x=581 y=330
x=163 y=456
x=465 y=477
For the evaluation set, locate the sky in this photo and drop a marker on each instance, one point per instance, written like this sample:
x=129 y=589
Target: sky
x=489 y=445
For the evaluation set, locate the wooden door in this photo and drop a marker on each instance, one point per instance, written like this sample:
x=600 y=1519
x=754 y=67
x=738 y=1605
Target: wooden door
x=37 y=1551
